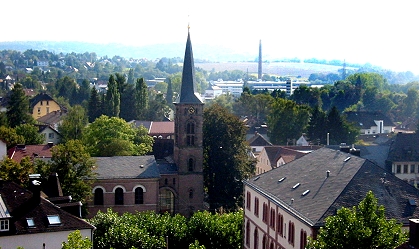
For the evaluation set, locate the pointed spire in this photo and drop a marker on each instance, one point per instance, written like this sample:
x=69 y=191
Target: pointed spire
x=188 y=92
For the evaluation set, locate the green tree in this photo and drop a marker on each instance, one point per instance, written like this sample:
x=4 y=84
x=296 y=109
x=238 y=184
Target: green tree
x=286 y=121
x=112 y=98
x=10 y=137
x=340 y=131
x=141 y=98
x=316 y=126
x=94 y=106
x=112 y=136
x=364 y=226
x=74 y=166
x=73 y=124
x=226 y=160
x=18 y=107
x=30 y=133
x=17 y=172
x=75 y=240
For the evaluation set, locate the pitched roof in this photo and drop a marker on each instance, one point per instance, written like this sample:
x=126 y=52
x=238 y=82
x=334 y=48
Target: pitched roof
x=162 y=127
x=53 y=118
x=258 y=140
x=350 y=178
x=405 y=147
x=40 y=97
x=188 y=92
x=18 y=152
x=128 y=167
x=29 y=206
x=274 y=153
x=365 y=120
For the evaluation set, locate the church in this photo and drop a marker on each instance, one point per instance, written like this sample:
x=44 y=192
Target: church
x=172 y=184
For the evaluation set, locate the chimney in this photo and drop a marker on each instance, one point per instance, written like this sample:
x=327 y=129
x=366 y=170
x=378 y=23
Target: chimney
x=414 y=232
x=327 y=174
x=35 y=187
x=355 y=152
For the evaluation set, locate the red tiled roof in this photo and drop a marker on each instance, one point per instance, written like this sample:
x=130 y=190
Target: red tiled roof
x=162 y=127
x=20 y=151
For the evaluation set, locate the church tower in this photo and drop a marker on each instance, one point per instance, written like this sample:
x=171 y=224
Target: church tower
x=188 y=148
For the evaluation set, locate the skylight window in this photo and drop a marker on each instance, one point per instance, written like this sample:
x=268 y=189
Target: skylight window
x=296 y=186
x=305 y=192
x=283 y=178
x=347 y=159
x=412 y=202
x=30 y=222
x=257 y=178
x=54 y=220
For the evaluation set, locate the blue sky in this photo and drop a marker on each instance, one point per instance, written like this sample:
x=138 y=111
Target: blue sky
x=383 y=33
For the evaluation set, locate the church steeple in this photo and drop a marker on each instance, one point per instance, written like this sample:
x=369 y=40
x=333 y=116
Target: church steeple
x=188 y=92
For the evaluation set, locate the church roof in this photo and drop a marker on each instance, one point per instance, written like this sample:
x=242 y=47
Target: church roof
x=126 y=167
x=307 y=192
x=188 y=92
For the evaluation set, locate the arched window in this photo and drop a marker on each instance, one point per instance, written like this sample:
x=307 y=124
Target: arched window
x=190 y=164
x=291 y=232
x=256 y=241
x=98 y=196
x=265 y=242
x=139 y=195
x=190 y=133
x=166 y=201
x=119 y=196
x=303 y=239
x=248 y=233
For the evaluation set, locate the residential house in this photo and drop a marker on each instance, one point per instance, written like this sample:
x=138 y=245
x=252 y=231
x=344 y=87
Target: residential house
x=163 y=183
x=275 y=156
x=257 y=143
x=53 y=119
x=30 y=221
x=371 y=122
x=288 y=204
x=51 y=135
x=42 y=104
x=34 y=152
x=403 y=157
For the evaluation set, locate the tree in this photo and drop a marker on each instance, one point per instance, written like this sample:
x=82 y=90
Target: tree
x=30 y=133
x=316 y=126
x=18 y=107
x=286 y=120
x=10 y=137
x=74 y=166
x=141 y=98
x=94 y=108
x=73 y=124
x=340 y=131
x=226 y=160
x=112 y=98
x=17 y=172
x=364 y=226
x=112 y=136
x=75 y=240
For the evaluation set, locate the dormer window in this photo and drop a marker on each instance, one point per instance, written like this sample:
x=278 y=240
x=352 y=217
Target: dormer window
x=4 y=225
x=54 y=220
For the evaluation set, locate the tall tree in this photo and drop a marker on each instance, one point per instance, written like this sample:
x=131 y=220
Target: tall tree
x=339 y=130
x=73 y=124
x=286 y=121
x=30 y=133
x=112 y=98
x=226 y=158
x=141 y=98
x=10 y=137
x=18 y=107
x=95 y=105
x=131 y=76
x=316 y=126
x=364 y=226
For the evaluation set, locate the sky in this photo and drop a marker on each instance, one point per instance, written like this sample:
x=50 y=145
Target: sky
x=382 y=33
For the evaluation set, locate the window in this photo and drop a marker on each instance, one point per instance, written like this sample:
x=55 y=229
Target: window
x=248 y=200
x=190 y=193
x=405 y=166
x=47 y=109
x=39 y=110
x=190 y=134
x=47 y=102
x=256 y=206
x=412 y=168
x=139 y=195
x=42 y=103
x=272 y=218
x=190 y=164
x=280 y=225
x=248 y=233
x=50 y=135
x=398 y=169
x=303 y=239
x=98 y=197
x=4 y=225
x=30 y=222
x=119 y=196
x=291 y=232
x=174 y=181
x=256 y=239
x=265 y=213
x=265 y=242
x=54 y=220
